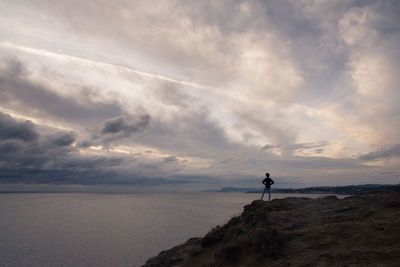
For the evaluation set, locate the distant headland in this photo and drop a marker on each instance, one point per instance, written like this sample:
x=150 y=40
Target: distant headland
x=365 y=189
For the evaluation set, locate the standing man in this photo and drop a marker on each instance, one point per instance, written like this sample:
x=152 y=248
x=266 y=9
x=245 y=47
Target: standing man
x=267 y=182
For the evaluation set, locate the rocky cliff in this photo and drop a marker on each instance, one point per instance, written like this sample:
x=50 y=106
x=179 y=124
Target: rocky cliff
x=355 y=231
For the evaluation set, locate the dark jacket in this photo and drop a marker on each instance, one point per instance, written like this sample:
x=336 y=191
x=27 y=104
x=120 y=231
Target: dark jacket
x=268 y=182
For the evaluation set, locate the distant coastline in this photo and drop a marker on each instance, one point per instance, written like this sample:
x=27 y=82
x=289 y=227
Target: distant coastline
x=366 y=189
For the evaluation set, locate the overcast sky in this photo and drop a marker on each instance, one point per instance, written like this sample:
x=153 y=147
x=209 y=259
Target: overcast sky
x=189 y=95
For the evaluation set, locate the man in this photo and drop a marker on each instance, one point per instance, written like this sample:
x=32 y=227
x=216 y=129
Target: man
x=267 y=182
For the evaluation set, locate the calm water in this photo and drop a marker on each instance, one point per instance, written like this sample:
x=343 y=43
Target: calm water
x=71 y=229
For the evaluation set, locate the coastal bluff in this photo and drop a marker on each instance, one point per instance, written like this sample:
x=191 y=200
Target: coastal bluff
x=355 y=231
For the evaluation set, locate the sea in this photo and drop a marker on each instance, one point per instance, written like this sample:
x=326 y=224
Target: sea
x=91 y=229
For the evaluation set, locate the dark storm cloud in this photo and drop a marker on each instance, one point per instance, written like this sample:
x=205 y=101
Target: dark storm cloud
x=391 y=152
x=21 y=145
x=116 y=130
x=170 y=159
x=17 y=92
x=28 y=157
x=12 y=129
x=122 y=126
x=10 y=147
x=64 y=139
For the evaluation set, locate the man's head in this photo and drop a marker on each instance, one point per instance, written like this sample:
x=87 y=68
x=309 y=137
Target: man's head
x=267 y=174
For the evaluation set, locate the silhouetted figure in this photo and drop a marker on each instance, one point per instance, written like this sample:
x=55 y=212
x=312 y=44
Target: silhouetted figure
x=267 y=182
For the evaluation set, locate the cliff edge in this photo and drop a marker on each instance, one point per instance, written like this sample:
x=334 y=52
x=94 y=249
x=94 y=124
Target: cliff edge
x=357 y=231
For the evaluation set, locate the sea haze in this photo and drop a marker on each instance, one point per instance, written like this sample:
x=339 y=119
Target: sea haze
x=77 y=229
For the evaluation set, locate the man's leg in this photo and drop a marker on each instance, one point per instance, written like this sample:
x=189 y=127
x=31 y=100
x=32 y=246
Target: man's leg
x=269 y=194
x=262 y=196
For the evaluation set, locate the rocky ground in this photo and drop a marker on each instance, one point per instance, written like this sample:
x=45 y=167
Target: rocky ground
x=355 y=231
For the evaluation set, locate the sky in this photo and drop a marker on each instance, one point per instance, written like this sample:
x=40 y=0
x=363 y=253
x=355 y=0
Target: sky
x=194 y=95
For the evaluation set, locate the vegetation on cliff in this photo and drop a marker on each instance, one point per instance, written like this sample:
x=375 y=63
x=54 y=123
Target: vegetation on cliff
x=358 y=230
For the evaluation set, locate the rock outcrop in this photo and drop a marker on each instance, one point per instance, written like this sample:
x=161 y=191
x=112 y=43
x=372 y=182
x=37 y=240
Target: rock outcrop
x=355 y=231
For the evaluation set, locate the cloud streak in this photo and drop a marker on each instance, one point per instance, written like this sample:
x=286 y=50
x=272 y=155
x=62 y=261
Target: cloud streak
x=85 y=61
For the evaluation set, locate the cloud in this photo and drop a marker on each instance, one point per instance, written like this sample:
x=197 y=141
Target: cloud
x=373 y=64
x=122 y=126
x=64 y=139
x=172 y=95
x=23 y=148
x=193 y=133
x=318 y=151
x=390 y=152
x=307 y=148
x=359 y=38
x=19 y=92
x=12 y=67
x=170 y=159
x=267 y=147
x=52 y=158
x=12 y=129
x=307 y=145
